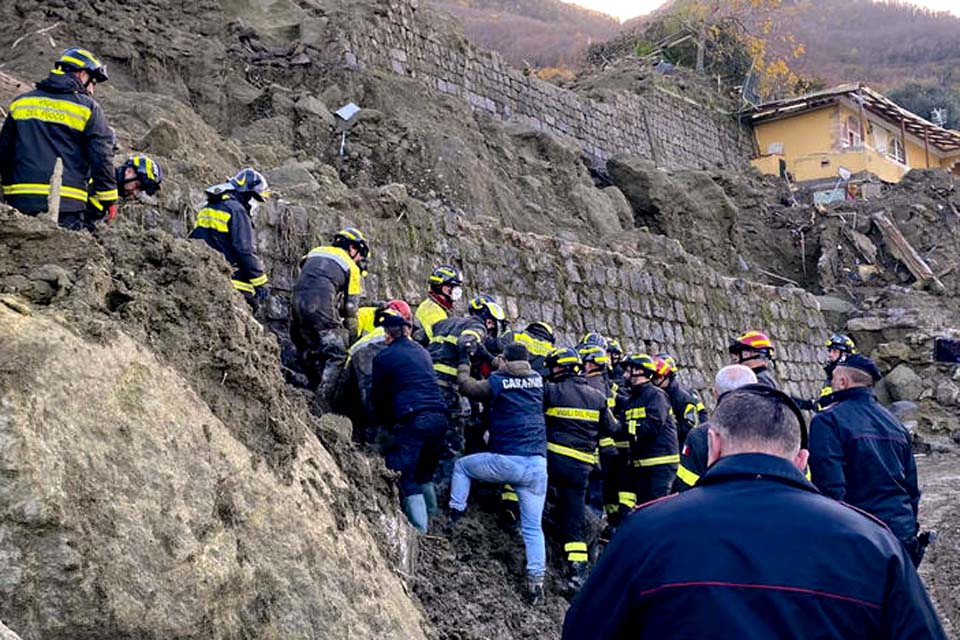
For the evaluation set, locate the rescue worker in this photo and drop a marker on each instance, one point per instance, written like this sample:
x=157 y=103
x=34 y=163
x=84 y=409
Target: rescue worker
x=615 y=352
x=685 y=406
x=225 y=224
x=693 y=453
x=517 y=449
x=838 y=345
x=60 y=119
x=755 y=350
x=602 y=493
x=862 y=455
x=576 y=413
x=645 y=416
x=359 y=374
x=484 y=318
x=446 y=288
x=672 y=362
x=324 y=307
x=408 y=402
x=753 y=551
x=139 y=174
x=539 y=339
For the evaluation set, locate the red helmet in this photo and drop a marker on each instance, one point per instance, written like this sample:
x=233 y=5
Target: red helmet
x=402 y=307
x=752 y=341
x=663 y=366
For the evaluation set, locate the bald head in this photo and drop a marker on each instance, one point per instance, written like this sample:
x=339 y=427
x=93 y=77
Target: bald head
x=733 y=377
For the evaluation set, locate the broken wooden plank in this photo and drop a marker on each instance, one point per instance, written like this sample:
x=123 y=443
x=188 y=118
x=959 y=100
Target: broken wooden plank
x=53 y=200
x=903 y=251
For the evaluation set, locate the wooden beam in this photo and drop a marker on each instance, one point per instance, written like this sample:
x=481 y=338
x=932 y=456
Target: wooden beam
x=903 y=251
x=903 y=139
x=863 y=121
x=926 y=146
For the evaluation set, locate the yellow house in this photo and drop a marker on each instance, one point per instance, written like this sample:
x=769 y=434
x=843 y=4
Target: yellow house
x=822 y=135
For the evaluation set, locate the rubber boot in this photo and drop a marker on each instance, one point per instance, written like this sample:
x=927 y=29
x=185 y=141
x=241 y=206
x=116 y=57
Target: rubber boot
x=453 y=517
x=430 y=497
x=578 y=572
x=535 y=594
x=415 y=508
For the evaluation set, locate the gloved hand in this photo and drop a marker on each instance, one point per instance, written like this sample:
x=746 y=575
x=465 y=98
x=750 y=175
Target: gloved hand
x=468 y=342
x=261 y=293
x=110 y=213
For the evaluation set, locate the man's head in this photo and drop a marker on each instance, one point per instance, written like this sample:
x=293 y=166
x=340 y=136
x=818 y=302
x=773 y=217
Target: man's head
x=83 y=65
x=757 y=419
x=352 y=240
x=854 y=370
x=486 y=308
x=664 y=372
x=446 y=283
x=732 y=377
x=395 y=325
x=838 y=345
x=753 y=349
x=138 y=174
x=615 y=351
x=515 y=352
x=563 y=363
x=639 y=369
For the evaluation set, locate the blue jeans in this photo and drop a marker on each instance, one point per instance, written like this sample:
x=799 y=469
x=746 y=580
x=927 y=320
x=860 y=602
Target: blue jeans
x=528 y=475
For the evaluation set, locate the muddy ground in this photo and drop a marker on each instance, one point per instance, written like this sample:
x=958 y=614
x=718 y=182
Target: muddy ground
x=940 y=510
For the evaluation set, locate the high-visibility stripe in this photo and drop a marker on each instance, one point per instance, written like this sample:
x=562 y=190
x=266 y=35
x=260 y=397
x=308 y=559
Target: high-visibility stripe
x=578 y=557
x=636 y=413
x=590 y=415
x=447 y=339
x=826 y=391
x=575 y=546
x=472 y=332
x=612 y=402
x=213 y=219
x=343 y=259
x=657 y=460
x=77 y=61
x=240 y=285
x=110 y=194
x=807 y=474
x=444 y=368
x=623 y=444
x=607 y=442
x=627 y=499
x=377 y=335
x=567 y=360
x=701 y=407
x=24 y=189
x=509 y=494
x=66 y=112
x=610 y=508
x=259 y=281
x=534 y=346
x=92 y=58
x=559 y=449
x=686 y=476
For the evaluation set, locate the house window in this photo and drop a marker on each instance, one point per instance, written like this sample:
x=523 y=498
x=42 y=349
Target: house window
x=896 y=150
x=851 y=132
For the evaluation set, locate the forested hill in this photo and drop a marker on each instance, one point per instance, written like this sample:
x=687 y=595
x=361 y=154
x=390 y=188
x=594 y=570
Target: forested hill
x=539 y=33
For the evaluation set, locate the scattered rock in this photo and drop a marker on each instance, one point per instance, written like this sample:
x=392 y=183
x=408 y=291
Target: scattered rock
x=904 y=384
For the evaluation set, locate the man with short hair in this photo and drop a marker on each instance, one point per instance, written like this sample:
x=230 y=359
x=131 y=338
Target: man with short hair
x=862 y=455
x=693 y=453
x=517 y=450
x=753 y=551
x=408 y=401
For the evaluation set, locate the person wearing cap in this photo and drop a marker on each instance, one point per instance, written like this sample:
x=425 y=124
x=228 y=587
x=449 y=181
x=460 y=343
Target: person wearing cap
x=407 y=402
x=753 y=551
x=838 y=346
x=517 y=450
x=60 y=119
x=862 y=455
x=693 y=453
x=357 y=387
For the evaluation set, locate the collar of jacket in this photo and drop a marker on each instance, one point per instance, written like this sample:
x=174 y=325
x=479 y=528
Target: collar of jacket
x=519 y=368
x=853 y=393
x=759 y=466
x=65 y=83
x=440 y=300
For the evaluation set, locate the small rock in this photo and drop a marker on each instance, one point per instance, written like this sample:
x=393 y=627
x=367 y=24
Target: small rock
x=904 y=384
x=163 y=139
x=947 y=393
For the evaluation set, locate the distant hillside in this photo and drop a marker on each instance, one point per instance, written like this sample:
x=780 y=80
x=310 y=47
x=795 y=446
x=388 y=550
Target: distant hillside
x=886 y=44
x=541 y=33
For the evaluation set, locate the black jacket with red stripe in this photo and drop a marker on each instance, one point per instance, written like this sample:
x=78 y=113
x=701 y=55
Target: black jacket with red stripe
x=754 y=551
x=57 y=119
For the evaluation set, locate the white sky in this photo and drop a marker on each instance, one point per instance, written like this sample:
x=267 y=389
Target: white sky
x=625 y=9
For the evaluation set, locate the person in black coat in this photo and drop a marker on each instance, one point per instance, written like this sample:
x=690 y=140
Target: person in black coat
x=862 y=455
x=753 y=551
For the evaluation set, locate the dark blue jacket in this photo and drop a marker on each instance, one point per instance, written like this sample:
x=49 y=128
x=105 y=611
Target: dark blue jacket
x=57 y=119
x=517 y=425
x=861 y=454
x=404 y=383
x=752 y=552
x=225 y=225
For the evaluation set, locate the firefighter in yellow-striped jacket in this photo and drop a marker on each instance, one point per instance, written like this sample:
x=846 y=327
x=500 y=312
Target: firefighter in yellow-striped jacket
x=59 y=119
x=225 y=225
x=576 y=414
x=652 y=433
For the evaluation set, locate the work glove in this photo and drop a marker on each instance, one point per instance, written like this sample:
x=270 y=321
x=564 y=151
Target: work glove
x=469 y=343
x=110 y=213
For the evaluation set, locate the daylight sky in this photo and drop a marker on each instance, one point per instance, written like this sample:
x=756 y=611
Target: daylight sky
x=626 y=9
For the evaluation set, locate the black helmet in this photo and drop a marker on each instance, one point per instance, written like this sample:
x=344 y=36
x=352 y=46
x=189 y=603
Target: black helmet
x=486 y=307
x=352 y=237
x=613 y=346
x=541 y=331
x=148 y=172
x=565 y=358
x=643 y=362
x=445 y=275
x=593 y=339
x=841 y=343
x=593 y=353
x=77 y=59
x=251 y=182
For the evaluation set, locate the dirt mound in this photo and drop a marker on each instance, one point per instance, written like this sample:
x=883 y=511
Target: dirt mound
x=161 y=479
